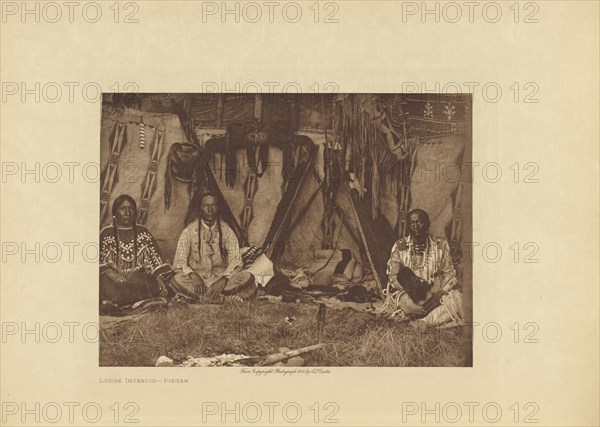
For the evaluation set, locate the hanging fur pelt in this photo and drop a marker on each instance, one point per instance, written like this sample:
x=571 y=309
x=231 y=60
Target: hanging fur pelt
x=278 y=134
x=184 y=163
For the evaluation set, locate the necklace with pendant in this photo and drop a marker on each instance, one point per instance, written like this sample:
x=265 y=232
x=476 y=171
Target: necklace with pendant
x=420 y=252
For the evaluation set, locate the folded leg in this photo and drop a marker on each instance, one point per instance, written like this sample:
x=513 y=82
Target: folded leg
x=241 y=284
x=139 y=286
x=190 y=286
x=450 y=310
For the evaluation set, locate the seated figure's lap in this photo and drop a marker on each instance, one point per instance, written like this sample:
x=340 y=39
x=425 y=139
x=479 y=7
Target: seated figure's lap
x=242 y=284
x=190 y=285
x=139 y=286
x=450 y=309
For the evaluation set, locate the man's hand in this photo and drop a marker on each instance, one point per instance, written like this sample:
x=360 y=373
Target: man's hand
x=214 y=296
x=214 y=291
x=433 y=301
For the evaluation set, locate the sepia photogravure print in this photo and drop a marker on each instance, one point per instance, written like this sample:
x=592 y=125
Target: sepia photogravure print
x=362 y=213
x=285 y=229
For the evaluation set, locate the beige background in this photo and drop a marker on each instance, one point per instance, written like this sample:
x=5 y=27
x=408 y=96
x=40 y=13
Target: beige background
x=369 y=50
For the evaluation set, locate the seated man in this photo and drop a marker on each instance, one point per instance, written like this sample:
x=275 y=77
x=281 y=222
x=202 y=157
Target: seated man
x=421 y=277
x=131 y=267
x=208 y=261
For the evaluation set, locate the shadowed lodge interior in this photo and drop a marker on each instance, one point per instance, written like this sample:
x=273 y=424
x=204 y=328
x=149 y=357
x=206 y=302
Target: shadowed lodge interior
x=321 y=184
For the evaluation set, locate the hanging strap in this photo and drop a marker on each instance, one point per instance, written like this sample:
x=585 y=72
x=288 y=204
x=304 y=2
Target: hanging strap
x=250 y=189
x=149 y=185
x=110 y=175
x=456 y=230
x=406 y=171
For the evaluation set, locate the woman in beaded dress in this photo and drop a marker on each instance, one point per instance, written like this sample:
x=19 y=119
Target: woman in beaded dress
x=131 y=267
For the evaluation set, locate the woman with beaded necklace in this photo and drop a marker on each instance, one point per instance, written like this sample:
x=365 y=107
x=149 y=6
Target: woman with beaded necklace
x=131 y=267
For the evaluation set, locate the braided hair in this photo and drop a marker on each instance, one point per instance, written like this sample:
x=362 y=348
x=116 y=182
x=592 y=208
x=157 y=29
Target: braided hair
x=115 y=207
x=222 y=248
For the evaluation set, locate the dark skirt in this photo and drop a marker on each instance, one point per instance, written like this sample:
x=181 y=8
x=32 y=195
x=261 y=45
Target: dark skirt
x=140 y=286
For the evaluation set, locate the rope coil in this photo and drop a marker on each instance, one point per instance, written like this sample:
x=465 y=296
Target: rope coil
x=392 y=298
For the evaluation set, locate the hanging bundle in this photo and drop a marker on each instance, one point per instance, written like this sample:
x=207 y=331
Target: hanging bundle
x=387 y=160
x=250 y=188
x=184 y=163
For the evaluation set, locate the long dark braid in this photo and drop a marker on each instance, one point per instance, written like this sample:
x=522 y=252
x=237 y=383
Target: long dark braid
x=135 y=242
x=222 y=248
x=168 y=190
x=114 y=224
x=199 y=238
x=221 y=244
x=116 y=204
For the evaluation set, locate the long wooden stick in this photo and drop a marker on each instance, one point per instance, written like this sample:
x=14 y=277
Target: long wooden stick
x=363 y=237
x=277 y=357
x=304 y=209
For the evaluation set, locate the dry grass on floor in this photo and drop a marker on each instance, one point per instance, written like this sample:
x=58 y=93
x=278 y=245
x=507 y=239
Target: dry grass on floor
x=259 y=328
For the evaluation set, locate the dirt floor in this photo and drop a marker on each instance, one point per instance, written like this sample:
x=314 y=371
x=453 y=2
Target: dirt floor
x=260 y=327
